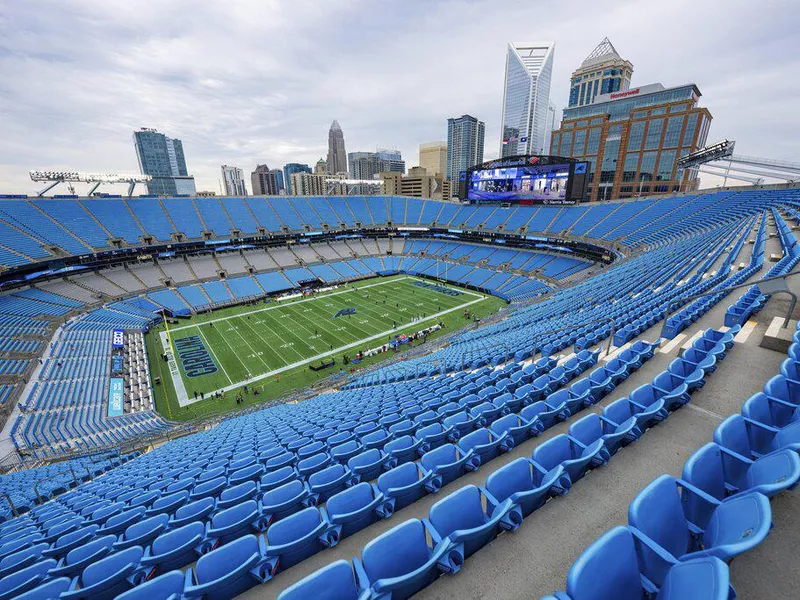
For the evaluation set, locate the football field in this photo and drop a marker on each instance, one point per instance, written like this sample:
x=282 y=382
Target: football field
x=258 y=344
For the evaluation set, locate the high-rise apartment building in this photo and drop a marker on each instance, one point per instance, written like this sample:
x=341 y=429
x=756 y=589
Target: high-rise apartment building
x=464 y=146
x=289 y=169
x=368 y=165
x=279 y=183
x=337 y=156
x=526 y=98
x=264 y=181
x=233 y=181
x=162 y=158
x=632 y=140
x=308 y=184
x=602 y=72
x=433 y=157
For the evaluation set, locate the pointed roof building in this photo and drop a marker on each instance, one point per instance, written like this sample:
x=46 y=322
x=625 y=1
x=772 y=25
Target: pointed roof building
x=604 y=71
x=337 y=156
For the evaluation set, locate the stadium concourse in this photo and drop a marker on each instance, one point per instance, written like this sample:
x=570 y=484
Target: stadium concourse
x=642 y=393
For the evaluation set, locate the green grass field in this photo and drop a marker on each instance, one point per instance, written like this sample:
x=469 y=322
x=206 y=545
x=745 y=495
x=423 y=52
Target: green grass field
x=270 y=345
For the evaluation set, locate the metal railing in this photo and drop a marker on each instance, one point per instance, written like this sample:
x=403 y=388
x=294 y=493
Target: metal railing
x=683 y=301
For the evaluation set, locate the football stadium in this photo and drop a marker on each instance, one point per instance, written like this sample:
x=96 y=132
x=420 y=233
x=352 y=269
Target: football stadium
x=631 y=365
x=564 y=367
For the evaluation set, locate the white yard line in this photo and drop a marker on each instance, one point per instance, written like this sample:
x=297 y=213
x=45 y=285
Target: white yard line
x=211 y=349
x=312 y=298
x=329 y=353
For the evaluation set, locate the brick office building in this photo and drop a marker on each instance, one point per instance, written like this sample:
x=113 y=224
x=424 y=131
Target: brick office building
x=633 y=139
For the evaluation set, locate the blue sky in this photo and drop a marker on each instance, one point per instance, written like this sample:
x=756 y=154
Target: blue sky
x=259 y=81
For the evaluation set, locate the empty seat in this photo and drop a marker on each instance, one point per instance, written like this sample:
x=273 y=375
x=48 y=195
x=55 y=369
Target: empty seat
x=567 y=452
x=432 y=436
x=485 y=444
x=357 y=507
x=689 y=523
x=175 y=548
x=449 y=462
x=227 y=571
x=168 y=585
x=467 y=526
x=525 y=484
x=142 y=532
x=337 y=581
x=77 y=559
x=401 y=562
x=595 y=427
x=406 y=484
x=721 y=472
x=108 y=577
x=199 y=510
x=517 y=428
x=620 y=411
x=330 y=481
x=26 y=579
x=297 y=537
x=234 y=522
x=285 y=500
x=369 y=464
x=611 y=569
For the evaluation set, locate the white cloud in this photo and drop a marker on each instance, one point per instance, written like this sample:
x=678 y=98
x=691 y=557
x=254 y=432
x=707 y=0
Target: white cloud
x=254 y=81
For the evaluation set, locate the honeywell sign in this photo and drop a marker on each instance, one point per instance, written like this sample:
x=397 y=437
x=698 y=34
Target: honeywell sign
x=639 y=91
x=625 y=94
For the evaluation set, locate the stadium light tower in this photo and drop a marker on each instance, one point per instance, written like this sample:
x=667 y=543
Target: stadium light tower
x=69 y=177
x=721 y=156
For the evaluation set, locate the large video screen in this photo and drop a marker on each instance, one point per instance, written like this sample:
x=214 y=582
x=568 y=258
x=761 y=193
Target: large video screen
x=532 y=183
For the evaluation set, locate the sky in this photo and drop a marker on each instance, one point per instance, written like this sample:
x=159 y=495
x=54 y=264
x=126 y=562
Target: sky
x=246 y=82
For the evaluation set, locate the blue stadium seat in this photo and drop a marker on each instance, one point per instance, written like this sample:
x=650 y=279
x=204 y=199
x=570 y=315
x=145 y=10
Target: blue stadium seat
x=175 y=548
x=357 y=507
x=689 y=523
x=228 y=571
x=461 y=522
x=449 y=462
x=563 y=451
x=108 y=577
x=406 y=484
x=168 y=585
x=722 y=473
x=337 y=581
x=400 y=562
x=611 y=569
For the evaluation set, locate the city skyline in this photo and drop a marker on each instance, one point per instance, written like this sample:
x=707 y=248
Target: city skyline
x=184 y=82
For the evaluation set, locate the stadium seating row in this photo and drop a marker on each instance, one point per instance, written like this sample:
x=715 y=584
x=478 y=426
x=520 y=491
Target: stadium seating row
x=79 y=226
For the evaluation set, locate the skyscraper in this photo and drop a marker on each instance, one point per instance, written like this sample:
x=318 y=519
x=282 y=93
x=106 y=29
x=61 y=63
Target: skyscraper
x=290 y=168
x=337 y=157
x=321 y=167
x=233 y=181
x=367 y=165
x=464 y=146
x=433 y=157
x=279 y=183
x=526 y=97
x=602 y=72
x=162 y=158
x=264 y=181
